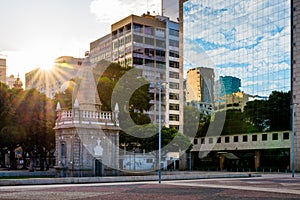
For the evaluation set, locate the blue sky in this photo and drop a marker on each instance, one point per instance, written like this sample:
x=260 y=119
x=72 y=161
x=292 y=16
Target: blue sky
x=35 y=32
x=248 y=39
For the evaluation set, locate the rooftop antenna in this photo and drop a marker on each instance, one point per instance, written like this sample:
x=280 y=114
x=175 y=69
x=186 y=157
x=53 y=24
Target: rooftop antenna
x=147 y=6
x=162 y=7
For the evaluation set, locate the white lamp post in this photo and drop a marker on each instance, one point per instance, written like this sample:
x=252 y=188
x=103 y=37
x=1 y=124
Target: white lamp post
x=159 y=133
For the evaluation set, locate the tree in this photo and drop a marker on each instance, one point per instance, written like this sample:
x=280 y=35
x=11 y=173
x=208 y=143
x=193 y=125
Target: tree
x=28 y=119
x=269 y=115
x=147 y=137
x=279 y=111
x=36 y=114
x=234 y=123
x=65 y=98
x=125 y=87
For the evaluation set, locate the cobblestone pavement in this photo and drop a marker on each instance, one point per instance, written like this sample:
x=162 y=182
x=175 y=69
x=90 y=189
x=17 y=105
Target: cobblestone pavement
x=261 y=188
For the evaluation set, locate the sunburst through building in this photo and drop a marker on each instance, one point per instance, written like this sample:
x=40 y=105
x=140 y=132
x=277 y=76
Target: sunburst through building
x=55 y=79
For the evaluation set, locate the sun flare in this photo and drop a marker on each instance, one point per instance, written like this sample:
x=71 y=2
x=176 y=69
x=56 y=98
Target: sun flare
x=45 y=63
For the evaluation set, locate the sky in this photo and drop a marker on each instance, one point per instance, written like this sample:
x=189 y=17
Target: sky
x=35 y=32
x=248 y=39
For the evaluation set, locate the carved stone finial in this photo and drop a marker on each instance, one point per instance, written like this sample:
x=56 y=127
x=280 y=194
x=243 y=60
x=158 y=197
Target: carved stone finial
x=58 y=107
x=76 y=104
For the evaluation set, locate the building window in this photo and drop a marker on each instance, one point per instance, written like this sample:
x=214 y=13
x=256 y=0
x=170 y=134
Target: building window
x=236 y=138
x=173 y=117
x=149 y=160
x=128 y=39
x=137 y=28
x=227 y=140
x=195 y=141
x=264 y=137
x=137 y=61
x=173 y=43
x=202 y=140
x=245 y=138
x=174 y=85
x=286 y=136
x=210 y=140
x=160 y=32
x=149 y=41
x=174 y=32
x=174 y=64
x=63 y=153
x=275 y=136
x=138 y=39
x=174 y=54
x=254 y=138
x=148 y=30
x=160 y=53
x=174 y=75
x=160 y=43
x=174 y=106
x=149 y=52
x=174 y=96
x=219 y=140
x=149 y=62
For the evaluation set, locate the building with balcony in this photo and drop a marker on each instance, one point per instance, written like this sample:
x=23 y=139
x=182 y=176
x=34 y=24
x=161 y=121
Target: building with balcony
x=150 y=44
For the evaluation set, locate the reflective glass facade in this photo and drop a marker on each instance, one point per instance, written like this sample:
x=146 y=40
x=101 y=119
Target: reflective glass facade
x=248 y=45
x=246 y=39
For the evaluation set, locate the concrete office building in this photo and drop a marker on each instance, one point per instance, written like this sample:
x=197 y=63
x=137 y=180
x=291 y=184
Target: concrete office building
x=200 y=84
x=151 y=44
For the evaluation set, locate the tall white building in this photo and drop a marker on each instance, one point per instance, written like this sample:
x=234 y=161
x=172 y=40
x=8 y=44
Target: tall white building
x=151 y=44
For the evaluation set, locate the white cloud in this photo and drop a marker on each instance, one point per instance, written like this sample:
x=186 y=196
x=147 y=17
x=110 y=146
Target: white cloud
x=114 y=10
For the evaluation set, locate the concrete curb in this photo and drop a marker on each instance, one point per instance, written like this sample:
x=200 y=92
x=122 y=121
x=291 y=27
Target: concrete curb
x=77 y=180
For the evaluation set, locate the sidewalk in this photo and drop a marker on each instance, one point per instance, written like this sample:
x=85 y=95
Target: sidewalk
x=26 y=173
x=175 y=175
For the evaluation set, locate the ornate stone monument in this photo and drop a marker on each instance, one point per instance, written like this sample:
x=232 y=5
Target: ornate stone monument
x=87 y=139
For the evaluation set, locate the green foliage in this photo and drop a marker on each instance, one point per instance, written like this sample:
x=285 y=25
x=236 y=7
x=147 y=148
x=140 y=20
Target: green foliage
x=234 y=123
x=132 y=100
x=258 y=116
x=195 y=122
x=147 y=137
x=270 y=115
x=27 y=119
x=65 y=98
x=107 y=80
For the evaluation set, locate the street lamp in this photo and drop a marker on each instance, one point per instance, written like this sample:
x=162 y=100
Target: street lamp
x=159 y=86
x=159 y=133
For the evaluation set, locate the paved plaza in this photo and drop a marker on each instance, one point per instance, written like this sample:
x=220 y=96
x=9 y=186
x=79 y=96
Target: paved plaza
x=269 y=186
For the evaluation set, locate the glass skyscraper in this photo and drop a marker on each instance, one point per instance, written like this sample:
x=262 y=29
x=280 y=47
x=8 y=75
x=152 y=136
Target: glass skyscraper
x=251 y=41
x=247 y=39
